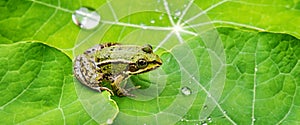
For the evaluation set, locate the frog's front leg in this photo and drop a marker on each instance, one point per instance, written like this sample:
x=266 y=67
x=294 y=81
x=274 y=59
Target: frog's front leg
x=116 y=86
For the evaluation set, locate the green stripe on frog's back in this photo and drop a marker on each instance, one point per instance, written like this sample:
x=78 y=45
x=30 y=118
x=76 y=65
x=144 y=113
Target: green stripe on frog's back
x=128 y=53
x=125 y=52
x=112 y=68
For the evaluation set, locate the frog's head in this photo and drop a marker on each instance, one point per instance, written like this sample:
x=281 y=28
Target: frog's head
x=145 y=60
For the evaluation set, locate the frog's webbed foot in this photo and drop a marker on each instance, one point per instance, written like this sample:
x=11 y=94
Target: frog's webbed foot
x=125 y=92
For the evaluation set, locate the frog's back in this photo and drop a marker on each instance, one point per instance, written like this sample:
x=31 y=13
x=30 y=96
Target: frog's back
x=124 y=52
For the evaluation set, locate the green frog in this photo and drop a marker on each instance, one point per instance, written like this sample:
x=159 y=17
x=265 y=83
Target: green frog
x=106 y=66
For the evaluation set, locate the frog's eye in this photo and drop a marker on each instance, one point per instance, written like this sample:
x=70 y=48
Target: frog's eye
x=147 y=48
x=142 y=63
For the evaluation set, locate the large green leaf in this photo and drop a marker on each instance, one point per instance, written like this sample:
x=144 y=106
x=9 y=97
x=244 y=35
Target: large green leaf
x=37 y=87
x=262 y=81
x=214 y=76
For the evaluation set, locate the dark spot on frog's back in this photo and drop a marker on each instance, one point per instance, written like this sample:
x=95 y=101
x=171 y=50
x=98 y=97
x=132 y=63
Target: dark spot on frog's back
x=97 y=59
x=99 y=70
x=107 y=76
x=87 y=52
x=106 y=56
x=111 y=44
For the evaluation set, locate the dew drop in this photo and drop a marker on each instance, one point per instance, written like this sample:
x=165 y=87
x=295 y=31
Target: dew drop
x=109 y=121
x=186 y=91
x=177 y=13
x=152 y=21
x=86 y=18
x=193 y=78
x=209 y=95
x=161 y=16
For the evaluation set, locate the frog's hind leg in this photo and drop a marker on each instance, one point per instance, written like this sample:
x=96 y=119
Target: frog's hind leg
x=99 y=80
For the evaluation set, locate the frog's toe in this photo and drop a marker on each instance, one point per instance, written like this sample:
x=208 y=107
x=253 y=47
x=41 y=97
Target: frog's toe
x=130 y=89
x=125 y=92
x=133 y=88
x=129 y=94
x=107 y=89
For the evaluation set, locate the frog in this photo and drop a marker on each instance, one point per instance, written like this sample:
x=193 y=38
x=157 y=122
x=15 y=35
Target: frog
x=104 y=67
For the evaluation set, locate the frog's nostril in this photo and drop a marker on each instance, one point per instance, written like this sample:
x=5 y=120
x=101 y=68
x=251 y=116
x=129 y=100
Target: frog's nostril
x=158 y=60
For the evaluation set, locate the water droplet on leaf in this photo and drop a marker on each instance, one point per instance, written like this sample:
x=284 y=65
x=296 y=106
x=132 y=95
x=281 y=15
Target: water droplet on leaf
x=152 y=21
x=177 y=13
x=209 y=95
x=186 y=91
x=109 y=121
x=86 y=18
x=161 y=16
